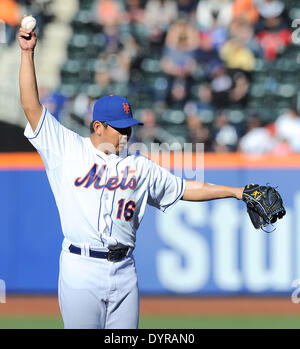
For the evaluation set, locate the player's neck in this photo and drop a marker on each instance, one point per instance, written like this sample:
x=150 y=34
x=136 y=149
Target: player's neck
x=99 y=145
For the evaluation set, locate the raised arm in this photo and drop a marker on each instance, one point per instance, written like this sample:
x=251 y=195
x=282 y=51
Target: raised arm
x=199 y=191
x=27 y=78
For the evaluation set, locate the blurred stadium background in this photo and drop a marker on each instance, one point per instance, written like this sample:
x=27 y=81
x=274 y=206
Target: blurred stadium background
x=224 y=73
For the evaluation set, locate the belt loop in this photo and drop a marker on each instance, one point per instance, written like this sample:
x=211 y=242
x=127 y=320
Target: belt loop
x=129 y=252
x=86 y=250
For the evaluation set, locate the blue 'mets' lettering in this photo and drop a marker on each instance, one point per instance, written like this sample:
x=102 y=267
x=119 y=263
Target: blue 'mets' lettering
x=132 y=181
x=91 y=177
x=112 y=183
x=94 y=177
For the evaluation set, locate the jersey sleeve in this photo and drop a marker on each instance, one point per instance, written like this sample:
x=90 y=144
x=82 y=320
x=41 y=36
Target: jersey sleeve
x=50 y=139
x=165 y=189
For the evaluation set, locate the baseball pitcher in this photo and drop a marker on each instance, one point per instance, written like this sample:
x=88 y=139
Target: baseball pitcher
x=101 y=199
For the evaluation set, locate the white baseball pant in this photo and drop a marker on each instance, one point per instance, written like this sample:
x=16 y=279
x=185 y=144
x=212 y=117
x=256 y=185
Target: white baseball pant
x=96 y=293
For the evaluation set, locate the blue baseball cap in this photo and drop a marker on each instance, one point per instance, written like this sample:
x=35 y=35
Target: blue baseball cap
x=115 y=111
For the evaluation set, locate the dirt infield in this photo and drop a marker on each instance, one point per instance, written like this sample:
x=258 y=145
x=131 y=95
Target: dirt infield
x=48 y=305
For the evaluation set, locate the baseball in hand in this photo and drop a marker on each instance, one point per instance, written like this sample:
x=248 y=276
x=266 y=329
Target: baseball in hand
x=28 y=23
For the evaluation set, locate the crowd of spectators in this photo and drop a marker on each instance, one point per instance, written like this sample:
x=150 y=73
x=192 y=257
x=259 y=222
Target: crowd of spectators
x=204 y=53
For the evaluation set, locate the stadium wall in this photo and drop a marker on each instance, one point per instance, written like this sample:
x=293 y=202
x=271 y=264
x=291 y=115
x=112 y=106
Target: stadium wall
x=207 y=248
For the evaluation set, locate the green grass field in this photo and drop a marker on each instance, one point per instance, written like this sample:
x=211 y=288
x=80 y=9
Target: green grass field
x=168 y=322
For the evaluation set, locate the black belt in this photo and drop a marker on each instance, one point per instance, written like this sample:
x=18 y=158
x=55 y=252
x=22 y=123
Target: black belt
x=112 y=255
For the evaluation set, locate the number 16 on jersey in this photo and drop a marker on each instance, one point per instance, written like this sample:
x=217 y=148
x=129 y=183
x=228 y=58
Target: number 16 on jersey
x=126 y=210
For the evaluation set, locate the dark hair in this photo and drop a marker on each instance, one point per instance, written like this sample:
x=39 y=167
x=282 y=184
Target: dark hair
x=92 y=130
x=124 y=131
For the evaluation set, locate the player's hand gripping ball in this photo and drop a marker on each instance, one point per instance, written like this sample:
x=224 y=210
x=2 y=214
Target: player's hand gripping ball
x=28 y=23
x=264 y=204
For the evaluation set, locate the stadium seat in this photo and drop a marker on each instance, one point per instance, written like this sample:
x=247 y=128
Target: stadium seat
x=95 y=45
x=255 y=103
x=257 y=90
x=285 y=64
x=77 y=46
x=179 y=132
x=70 y=71
x=294 y=11
x=287 y=90
x=151 y=66
x=173 y=116
x=207 y=116
x=261 y=65
x=70 y=90
x=119 y=89
x=94 y=91
x=83 y=22
x=86 y=4
x=236 y=116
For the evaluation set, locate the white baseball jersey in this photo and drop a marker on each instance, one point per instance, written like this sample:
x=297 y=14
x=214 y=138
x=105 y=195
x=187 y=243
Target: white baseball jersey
x=101 y=198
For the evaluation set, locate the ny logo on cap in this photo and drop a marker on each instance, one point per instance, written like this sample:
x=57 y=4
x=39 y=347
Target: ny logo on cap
x=126 y=108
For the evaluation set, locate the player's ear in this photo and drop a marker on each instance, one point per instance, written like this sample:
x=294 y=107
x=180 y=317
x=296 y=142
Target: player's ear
x=98 y=127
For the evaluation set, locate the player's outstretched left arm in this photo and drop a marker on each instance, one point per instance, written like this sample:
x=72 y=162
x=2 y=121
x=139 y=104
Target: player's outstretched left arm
x=201 y=191
x=264 y=203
